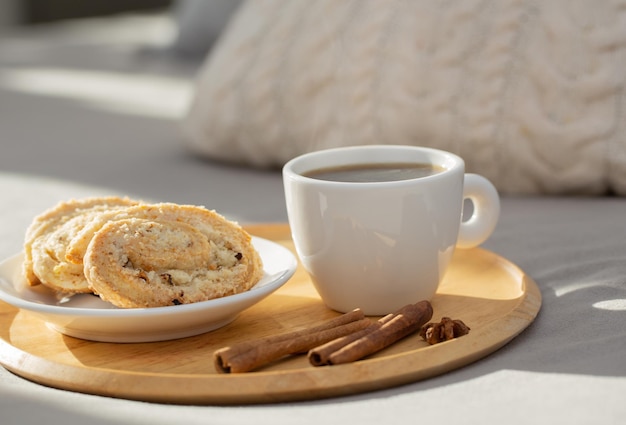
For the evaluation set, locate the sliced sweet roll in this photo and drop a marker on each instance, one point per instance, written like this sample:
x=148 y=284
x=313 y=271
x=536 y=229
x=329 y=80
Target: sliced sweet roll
x=184 y=254
x=48 y=236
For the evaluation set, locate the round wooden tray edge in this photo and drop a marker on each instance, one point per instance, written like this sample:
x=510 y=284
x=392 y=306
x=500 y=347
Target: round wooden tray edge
x=363 y=376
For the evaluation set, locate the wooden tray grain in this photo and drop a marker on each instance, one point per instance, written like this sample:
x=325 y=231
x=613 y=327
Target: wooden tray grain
x=492 y=295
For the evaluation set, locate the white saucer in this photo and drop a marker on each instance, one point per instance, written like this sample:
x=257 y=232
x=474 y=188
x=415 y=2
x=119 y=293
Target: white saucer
x=88 y=317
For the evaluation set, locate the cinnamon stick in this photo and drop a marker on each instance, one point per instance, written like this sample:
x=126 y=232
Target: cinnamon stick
x=249 y=355
x=318 y=356
x=405 y=321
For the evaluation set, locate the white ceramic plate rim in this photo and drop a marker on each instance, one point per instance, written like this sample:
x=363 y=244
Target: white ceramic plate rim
x=278 y=262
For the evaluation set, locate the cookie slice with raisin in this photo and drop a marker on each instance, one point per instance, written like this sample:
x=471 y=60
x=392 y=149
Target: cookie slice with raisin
x=184 y=254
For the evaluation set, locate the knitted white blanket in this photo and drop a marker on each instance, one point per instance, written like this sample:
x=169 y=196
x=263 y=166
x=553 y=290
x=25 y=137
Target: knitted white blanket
x=530 y=93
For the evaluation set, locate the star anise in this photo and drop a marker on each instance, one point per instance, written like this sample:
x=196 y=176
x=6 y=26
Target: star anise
x=445 y=330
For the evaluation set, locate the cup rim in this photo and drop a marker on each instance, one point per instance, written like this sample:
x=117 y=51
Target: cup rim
x=451 y=162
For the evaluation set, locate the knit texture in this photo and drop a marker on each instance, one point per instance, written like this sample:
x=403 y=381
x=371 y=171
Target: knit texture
x=529 y=93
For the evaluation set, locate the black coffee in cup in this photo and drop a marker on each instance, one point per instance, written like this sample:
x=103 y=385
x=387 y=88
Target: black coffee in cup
x=375 y=172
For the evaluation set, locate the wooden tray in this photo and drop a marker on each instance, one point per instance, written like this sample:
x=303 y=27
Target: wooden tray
x=490 y=294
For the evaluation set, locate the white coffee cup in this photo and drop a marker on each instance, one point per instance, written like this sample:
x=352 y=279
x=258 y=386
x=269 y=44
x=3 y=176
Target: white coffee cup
x=381 y=245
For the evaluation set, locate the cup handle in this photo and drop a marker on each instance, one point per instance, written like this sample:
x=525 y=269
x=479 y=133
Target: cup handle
x=484 y=218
